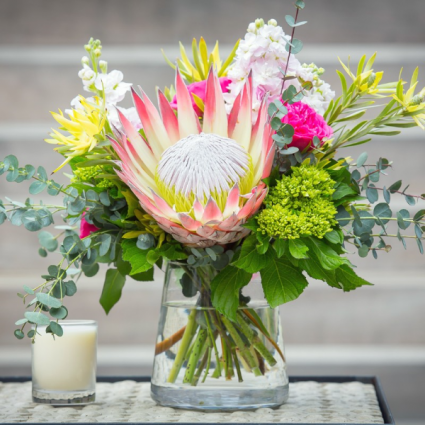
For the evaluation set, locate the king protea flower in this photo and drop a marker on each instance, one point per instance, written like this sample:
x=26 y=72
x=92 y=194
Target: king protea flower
x=201 y=182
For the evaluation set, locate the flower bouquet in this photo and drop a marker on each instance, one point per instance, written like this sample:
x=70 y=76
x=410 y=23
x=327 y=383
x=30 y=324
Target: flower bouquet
x=236 y=187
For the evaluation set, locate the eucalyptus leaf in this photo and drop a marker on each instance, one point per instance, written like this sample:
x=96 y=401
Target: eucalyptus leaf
x=48 y=300
x=383 y=212
x=37 y=318
x=71 y=288
x=37 y=187
x=361 y=160
x=19 y=334
x=56 y=328
x=387 y=195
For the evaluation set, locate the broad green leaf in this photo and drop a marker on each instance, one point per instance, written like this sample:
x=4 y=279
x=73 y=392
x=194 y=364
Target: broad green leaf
x=335 y=237
x=146 y=276
x=112 y=289
x=249 y=259
x=328 y=258
x=135 y=256
x=282 y=281
x=225 y=288
x=314 y=269
x=348 y=279
x=298 y=248
x=343 y=190
x=281 y=247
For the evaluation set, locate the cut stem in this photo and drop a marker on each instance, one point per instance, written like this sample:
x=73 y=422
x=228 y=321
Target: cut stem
x=181 y=353
x=195 y=355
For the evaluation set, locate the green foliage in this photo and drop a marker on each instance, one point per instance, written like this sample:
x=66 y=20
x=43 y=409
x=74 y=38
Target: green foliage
x=250 y=259
x=282 y=281
x=225 y=288
x=112 y=289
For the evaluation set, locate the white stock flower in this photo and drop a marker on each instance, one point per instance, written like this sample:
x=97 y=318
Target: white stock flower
x=263 y=52
x=87 y=75
x=321 y=93
x=113 y=86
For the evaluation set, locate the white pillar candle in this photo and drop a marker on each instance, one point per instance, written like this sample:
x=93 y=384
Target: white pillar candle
x=66 y=363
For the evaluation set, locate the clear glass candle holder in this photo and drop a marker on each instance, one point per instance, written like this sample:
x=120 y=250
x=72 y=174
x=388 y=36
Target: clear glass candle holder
x=64 y=368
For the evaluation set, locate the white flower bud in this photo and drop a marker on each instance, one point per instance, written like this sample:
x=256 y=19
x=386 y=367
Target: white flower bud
x=259 y=23
x=251 y=27
x=87 y=47
x=85 y=60
x=103 y=66
x=98 y=52
x=272 y=22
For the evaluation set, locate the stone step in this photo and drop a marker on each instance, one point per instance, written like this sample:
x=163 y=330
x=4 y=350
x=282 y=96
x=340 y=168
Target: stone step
x=162 y=20
x=391 y=312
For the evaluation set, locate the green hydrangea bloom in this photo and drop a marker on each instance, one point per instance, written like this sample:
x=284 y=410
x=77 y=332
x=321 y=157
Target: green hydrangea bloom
x=300 y=205
x=89 y=175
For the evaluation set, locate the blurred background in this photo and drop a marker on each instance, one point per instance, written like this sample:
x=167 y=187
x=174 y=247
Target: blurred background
x=376 y=330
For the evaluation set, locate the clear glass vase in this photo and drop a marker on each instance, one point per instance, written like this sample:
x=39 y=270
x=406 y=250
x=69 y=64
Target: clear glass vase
x=204 y=360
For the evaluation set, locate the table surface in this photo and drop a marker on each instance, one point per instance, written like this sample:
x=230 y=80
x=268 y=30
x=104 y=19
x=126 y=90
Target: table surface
x=129 y=401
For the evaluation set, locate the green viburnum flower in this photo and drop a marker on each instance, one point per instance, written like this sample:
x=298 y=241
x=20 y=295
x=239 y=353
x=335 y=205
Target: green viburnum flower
x=300 y=205
x=89 y=174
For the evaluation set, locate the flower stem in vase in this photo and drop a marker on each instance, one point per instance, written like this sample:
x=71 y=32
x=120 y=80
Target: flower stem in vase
x=186 y=340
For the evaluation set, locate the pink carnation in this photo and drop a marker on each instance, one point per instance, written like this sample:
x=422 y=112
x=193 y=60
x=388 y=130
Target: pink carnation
x=307 y=123
x=199 y=89
x=86 y=228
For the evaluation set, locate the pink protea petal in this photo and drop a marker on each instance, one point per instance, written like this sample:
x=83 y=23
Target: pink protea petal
x=242 y=130
x=146 y=119
x=186 y=116
x=215 y=117
x=188 y=222
x=269 y=163
x=198 y=209
x=228 y=237
x=257 y=136
x=139 y=144
x=259 y=201
x=232 y=202
x=211 y=212
x=169 y=118
x=156 y=126
x=164 y=207
x=233 y=116
x=229 y=223
x=205 y=231
x=246 y=210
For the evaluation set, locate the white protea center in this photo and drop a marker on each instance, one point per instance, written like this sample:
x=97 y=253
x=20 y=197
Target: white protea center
x=203 y=166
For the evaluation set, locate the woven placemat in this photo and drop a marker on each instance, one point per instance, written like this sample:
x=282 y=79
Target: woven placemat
x=129 y=401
